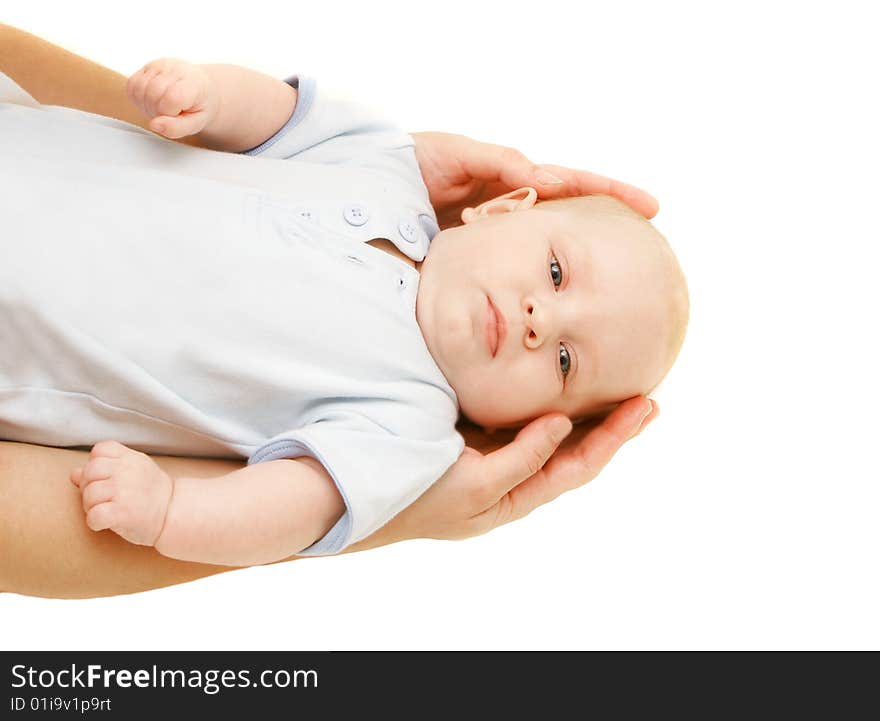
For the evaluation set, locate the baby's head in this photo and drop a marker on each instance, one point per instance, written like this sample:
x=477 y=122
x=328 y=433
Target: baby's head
x=570 y=305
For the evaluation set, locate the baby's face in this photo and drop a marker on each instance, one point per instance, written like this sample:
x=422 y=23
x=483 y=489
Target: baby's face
x=539 y=309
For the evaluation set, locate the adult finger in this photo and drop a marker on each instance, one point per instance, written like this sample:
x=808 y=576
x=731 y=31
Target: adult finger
x=599 y=446
x=502 y=164
x=499 y=164
x=655 y=411
x=586 y=460
x=583 y=182
x=578 y=466
x=525 y=455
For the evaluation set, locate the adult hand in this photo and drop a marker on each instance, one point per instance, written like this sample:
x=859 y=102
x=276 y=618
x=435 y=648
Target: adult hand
x=490 y=485
x=461 y=172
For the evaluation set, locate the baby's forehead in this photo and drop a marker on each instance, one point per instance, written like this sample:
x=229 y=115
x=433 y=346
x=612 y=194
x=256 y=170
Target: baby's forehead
x=598 y=227
x=593 y=211
x=632 y=263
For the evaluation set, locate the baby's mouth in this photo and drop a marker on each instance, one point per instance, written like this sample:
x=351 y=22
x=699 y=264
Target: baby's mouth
x=494 y=327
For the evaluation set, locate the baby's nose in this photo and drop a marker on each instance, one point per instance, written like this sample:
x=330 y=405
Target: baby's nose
x=536 y=324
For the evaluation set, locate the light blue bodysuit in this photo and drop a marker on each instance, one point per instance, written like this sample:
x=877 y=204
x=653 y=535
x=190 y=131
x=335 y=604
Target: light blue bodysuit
x=191 y=302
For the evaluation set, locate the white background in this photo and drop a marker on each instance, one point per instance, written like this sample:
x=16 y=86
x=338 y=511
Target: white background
x=746 y=515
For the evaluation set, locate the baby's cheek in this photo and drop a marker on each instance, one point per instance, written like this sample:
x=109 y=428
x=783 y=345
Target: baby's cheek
x=501 y=397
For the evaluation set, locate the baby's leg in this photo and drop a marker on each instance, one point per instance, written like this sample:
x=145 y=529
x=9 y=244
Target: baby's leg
x=46 y=549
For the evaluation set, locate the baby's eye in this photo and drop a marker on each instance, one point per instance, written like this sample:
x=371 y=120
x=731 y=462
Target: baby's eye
x=564 y=359
x=555 y=272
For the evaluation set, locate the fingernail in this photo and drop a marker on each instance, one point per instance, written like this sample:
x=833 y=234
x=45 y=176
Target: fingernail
x=642 y=423
x=546 y=178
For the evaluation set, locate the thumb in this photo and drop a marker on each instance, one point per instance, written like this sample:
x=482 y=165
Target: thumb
x=520 y=172
x=526 y=454
x=499 y=163
x=178 y=126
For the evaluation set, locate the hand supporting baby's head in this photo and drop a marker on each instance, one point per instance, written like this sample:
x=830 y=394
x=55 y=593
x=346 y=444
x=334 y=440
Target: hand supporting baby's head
x=569 y=305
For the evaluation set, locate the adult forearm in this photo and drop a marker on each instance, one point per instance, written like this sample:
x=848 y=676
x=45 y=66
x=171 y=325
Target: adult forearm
x=55 y=76
x=46 y=548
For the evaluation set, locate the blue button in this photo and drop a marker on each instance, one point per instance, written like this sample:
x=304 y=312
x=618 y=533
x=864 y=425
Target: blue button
x=355 y=215
x=409 y=231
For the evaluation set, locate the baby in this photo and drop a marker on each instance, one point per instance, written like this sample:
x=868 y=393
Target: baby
x=286 y=308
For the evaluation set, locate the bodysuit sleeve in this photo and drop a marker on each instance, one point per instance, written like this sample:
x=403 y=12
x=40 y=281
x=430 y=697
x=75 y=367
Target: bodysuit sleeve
x=377 y=472
x=325 y=128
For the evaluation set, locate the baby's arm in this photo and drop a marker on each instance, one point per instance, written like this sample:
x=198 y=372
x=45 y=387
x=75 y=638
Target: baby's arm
x=231 y=108
x=258 y=514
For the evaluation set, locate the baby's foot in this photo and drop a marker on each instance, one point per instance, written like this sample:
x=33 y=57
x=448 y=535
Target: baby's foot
x=125 y=491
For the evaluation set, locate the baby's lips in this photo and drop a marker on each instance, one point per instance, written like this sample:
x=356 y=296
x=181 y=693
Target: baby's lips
x=500 y=327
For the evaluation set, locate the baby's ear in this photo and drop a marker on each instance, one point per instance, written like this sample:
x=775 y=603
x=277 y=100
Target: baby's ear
x=519 y=199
